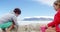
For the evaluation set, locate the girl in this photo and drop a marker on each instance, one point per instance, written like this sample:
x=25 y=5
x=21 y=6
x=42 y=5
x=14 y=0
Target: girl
x=56 y=21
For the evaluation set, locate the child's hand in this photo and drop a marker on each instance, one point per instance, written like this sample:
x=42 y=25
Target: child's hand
x=43 y=28
x=46 y=26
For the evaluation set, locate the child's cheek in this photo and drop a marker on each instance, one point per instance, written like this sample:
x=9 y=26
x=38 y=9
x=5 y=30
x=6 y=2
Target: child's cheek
x=56 y=7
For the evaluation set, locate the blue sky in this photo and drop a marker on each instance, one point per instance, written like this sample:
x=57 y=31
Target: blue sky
x=29 y=8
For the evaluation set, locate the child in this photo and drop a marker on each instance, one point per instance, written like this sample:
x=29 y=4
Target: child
x=56 y=21
x=10 y=20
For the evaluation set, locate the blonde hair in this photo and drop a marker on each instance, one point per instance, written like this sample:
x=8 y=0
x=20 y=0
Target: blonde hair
x=57 y=2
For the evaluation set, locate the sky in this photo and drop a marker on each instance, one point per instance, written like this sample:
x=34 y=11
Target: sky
x=29 y=8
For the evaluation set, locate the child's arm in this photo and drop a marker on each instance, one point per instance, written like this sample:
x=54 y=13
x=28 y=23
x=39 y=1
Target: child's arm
x=56 y=20
x=14 y=20
x=52 y=24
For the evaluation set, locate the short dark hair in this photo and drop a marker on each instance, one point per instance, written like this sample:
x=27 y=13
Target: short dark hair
x=17 y=10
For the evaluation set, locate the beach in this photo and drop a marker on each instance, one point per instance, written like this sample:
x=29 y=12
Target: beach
x=30 y=26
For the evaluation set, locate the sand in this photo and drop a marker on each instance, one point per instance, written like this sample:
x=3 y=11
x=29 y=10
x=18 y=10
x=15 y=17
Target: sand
x=31 y=28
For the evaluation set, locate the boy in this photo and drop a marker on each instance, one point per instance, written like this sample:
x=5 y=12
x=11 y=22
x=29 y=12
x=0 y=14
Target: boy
x=56 y=21
x=10 y=20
